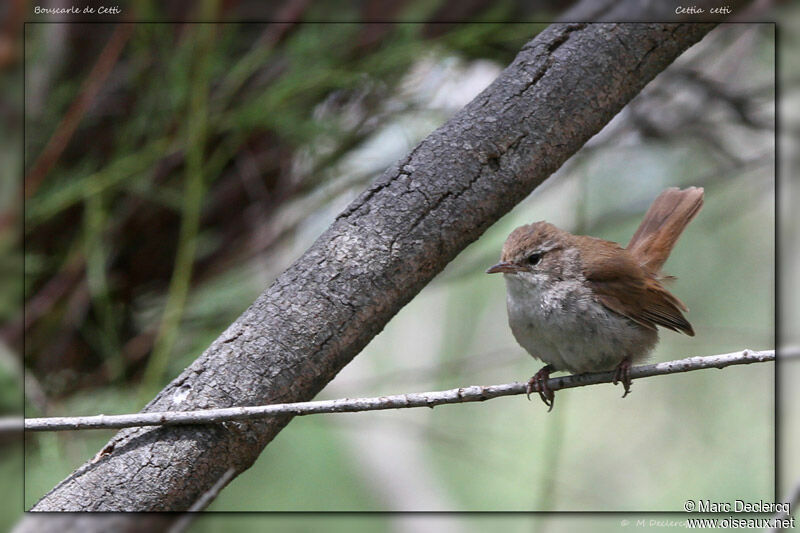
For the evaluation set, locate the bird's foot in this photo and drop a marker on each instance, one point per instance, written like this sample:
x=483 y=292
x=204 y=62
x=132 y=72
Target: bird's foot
x=622 y=374
x=538 y=383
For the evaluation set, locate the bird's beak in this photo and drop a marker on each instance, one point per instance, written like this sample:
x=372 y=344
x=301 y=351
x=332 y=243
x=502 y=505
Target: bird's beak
x=505 y=267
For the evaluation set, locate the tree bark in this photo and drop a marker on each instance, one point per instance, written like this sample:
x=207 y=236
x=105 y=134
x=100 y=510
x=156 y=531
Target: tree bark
x=561 y=89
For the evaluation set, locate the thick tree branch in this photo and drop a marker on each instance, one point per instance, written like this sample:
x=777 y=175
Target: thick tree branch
x=562 y=88
x=475 y=393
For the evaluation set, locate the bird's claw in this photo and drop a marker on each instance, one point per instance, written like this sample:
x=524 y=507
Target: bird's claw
x=538 y=383
x=622 y=374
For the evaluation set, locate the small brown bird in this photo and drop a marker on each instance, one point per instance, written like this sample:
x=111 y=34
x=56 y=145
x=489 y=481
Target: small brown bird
x=584 y=304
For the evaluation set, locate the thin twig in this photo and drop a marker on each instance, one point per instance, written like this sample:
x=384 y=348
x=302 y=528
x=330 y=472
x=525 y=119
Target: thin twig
x=186 y=519
x=475 y=393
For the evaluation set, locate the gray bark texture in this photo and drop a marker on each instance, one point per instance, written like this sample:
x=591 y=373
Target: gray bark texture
x=561 y=89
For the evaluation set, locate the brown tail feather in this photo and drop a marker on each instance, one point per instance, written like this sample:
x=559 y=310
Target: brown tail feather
x=663 y=224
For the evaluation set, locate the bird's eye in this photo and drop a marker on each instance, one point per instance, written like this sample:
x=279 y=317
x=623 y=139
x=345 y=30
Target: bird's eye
x=534 y=258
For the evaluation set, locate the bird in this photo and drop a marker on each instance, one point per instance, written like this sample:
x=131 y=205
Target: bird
x=584 y=304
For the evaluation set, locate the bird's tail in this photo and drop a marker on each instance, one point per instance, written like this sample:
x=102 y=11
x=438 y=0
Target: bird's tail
x=663 y=224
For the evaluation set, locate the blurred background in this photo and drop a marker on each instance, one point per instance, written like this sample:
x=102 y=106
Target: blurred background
x=173 y=170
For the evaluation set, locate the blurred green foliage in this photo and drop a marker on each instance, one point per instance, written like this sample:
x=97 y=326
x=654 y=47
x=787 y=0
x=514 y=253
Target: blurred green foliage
x=111 y=183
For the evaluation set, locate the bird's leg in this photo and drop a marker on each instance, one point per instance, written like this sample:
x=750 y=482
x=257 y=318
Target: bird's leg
x=538 y=383
x=622 y=374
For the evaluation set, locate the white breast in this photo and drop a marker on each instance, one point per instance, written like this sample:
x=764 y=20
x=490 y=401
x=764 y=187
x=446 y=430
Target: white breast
x=563 y=325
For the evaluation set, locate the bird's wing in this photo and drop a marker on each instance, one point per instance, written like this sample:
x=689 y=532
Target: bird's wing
x=622 y=286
